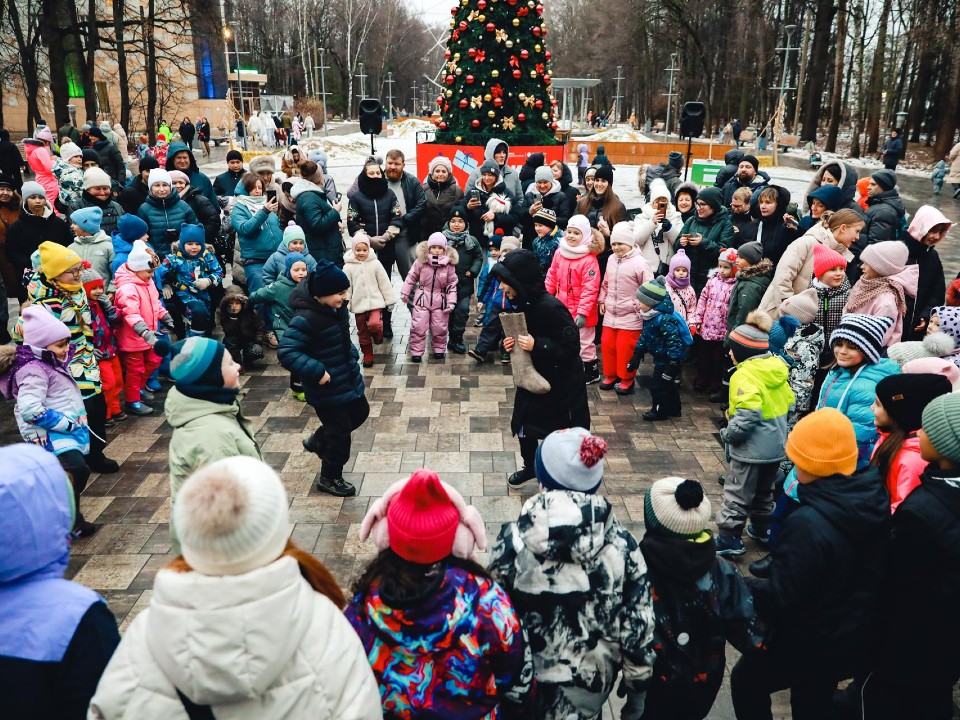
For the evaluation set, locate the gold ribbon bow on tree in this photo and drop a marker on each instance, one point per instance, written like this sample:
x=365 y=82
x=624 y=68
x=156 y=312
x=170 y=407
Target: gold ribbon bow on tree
x=476 y=101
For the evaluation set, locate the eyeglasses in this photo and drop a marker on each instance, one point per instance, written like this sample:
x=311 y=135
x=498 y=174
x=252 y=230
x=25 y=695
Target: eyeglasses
x=74 y=271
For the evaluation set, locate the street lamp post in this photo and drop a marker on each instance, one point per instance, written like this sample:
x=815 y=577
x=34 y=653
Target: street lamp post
x=782 y=103
x=228 y=33
x=323 y=93
x=390 y=96
x=672 y=69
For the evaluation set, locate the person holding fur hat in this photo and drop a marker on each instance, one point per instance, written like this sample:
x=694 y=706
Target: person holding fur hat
x=37 y=223
x=442 y=637
x=885 y=211
x=760 y=400
x=97 y=193
x=212 y=640
x=164 y=211
x=570 y=568
x=882 y=289
x=705 y=234
x=370 y=293
x=700 y=602
x=442 y=192
x=318 y=350
x=821 y=599
x=93 y=244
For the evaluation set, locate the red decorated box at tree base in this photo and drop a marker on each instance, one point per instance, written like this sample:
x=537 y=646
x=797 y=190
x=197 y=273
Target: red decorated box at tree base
x=466 y=158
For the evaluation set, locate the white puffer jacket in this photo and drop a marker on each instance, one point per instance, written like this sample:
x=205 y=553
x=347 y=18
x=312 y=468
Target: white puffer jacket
x=645 y=230
x=370 y=287
x=260 y=645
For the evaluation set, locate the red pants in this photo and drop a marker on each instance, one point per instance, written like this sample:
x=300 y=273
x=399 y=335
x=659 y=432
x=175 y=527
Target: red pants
x=617 y=348
x=111 y=375
x=369 y=326
x=137 y=368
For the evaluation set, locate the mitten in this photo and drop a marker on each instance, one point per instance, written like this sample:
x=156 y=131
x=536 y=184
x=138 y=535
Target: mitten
x=202 y=284
x=161 y=347
x=167 y=322
x=525 y=374
x=167 y=292
x=580 y=320
x=635 y=361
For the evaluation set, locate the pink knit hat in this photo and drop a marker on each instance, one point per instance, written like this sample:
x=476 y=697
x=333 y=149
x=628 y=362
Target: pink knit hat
x=360 y=238
x=934 y=366
x=41 y=328
x=887 y=258
x=44 y=134
x=825 y=258
x=424 y=519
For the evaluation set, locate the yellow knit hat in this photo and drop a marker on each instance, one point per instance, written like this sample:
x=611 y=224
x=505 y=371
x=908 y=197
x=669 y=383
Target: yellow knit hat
x=56 y=259
x=824 y=443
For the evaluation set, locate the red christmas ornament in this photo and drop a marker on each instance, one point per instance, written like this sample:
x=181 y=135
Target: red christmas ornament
x=524 y=53
x=539 y=9
x=544 y=32
x=446 y=53
x=498 y=102
x=536 y=30
x=546 y=79
x=469 y=79
x=463 y=25
x=516 y=74
x=472 y=52
x=482 y=5
x=446 y=107
x=439 y=101
x=547 y=55
x=464 y=103
x=442 y=125
x=511 y=2
x=538 y=104
x=491 y=27
x=450 y=79
x=475 y=124
x=553 y=125
x=521 y=117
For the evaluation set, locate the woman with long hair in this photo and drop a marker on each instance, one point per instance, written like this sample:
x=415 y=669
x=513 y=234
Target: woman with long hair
x=603 y=209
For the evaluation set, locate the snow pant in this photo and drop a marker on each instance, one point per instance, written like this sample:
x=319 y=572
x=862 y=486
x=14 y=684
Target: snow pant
x=111 y=377
x=665 y=389
x=458 y=318
x=399 y=252
x=369 y=327
x=137 y=367
x=436 y=321
x=197 y=313
x=334 y=435
x=254 y=275
x=748 y=491
x=492 y=332
x=96 y=408
x=588 y=344
x=811 y=681
x=711 y=364
x=76 y=468
x=244 y=353
x=616 y=348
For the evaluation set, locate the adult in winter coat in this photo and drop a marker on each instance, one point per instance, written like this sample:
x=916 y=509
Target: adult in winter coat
x=56 y=636
x=180 y=157
x=927 y=228
x=553 y=341
x=731 y=161
x=208 y=213
x=11 y=161
x=187 y=131
x=320 y=222
x=748 y=175
x=704 y=235
x=491 y=207
x=544 y=192
x=40 y=160
x=603 y=209
x=885 y=211
x=110 y=159
x=442 y=193
x=824 y=198
x=498 y=152
x=953 y=177
x=225 y=184
x=254 y=217
x=96 y=194
x=37 y=224
x=892 y=150
x=841 y=175
x=211 y=635
x=409 y=194
x=135 y=193
x=10 y=209
x=561 y=173
x=657 y=227
x=374 y=208
x=774 y=232
x=164 y=211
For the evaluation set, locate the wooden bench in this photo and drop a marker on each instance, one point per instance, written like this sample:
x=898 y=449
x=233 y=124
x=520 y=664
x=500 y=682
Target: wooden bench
x=785 y=142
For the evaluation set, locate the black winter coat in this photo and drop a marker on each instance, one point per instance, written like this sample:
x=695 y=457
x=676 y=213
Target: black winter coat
x=503 y=221
x=11 y=163
x=729 y=170
x=62 y=689
x=773 y=232
x=745 y=228
x=414 y=200
x=243 y=328
x=822 y=595
x=25 y=235
x=931 y=288
x=111 y=162
x=555 y=355
x=566 y=183
x=555 y=200
x=440 y=199
x=884 y=214
x=133 y=196
x=225 y=184
x=187 y=132
x=207 y=214
x=112 y=210
x=760 y=180
x=373 y=207
x=318 y=342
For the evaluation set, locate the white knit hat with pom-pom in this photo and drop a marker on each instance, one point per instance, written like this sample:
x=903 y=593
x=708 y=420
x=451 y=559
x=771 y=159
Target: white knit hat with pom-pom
x=676 y=507
x=232 y=517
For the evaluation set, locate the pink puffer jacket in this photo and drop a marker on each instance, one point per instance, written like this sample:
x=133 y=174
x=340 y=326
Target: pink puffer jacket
x=619 y=289
x=711 y=315
x=574 y=278
x=41 y=162
x=137 y=301
x=434 y=287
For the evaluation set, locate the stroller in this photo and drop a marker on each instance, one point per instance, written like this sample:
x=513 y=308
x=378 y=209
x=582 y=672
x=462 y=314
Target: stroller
x=815 y=159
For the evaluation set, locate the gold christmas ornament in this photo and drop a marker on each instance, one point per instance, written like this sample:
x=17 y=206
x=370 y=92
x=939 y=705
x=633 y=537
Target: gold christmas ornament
x=487 y=97
x=545 y=116
x=516 y=22
x=456 y=57
x=458 y=71
x=537 y=47
x=522 y=96
x=482 y=18
x=453 y=22
x=533 y=73
x=458 y=139
x=528 y=100
x=448 y=93
x=491 y=114
x=476 y=101
x=495 y=74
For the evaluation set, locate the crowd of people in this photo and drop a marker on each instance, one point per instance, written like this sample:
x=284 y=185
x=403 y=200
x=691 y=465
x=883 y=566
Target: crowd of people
x=804 y=319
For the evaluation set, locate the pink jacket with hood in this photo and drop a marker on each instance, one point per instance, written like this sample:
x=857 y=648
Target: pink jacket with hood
x=904 y=475
x=574 y=274
x=137 y=301
x=41 y=162
x=619 y=288
x=433 y=287
x=710 y=317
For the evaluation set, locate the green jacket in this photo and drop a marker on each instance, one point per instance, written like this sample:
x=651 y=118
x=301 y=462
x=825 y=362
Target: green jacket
x=203 y=432
x=748 y=291
x=717 y=232
x=278 y=295
x=760 y=398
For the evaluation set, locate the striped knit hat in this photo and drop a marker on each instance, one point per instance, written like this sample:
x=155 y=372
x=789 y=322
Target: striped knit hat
x=941 y=423
x=676 y=507
x=752 y=338
x=652 y=292
x=864 y=331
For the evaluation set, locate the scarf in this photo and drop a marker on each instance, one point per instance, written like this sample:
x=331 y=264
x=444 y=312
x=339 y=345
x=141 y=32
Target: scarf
x=373 y=188
x=252 y=203
x=574 y=252
x=678 y=283
x=649 y=314
x=211 y=393
x=866 y=291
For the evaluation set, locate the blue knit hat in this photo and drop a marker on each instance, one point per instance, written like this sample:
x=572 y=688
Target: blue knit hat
x=327 y=279
x=190 y=232
x=781 y=331
x=130 y=228
x=290 y=260
x=571 y=459
x=196 y=361
x=87 y=219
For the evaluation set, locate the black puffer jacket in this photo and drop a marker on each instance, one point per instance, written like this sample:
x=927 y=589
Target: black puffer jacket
x=243 y=328
x=373 y=207
x=207 y=214
x=885 y=212
x=133 y=196
x=729 y=170
x=931 y=287
x=441 y=197
x=112 y=210
x=504 y=221
x=318 y=342
x=25 y=235
x=822 y=596
x=111 y=162
x=773 y=232
x=555 y=355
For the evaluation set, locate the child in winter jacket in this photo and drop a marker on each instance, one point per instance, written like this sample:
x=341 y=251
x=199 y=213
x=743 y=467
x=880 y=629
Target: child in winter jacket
x=142 y=313
x=69 y=173
x=547 y=237
x=92 y=243
x=294 y=240
x=832 y=288
x=103 y=314
x=578 y=581
x=243 y=330
x=897 y=413
x=468 y=267
x=491 y=256
x=697 y=596
x=941 y=338
x=759 y=402
x=803 y=350
x=574 y=278
x=316 y=348
x=492 y=301
x=884 y=285
x=431 y=287
x=666 y=337
x=442 y=637
x=753 y=278
x=682 y=295
x=188 y=272
x=626 y=272
x=709 y=322
x=277 y=293
x=49 y=408
x=130 y=228
x=938 y=175
x=370 y=293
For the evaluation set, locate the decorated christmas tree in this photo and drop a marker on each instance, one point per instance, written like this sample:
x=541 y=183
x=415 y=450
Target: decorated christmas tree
x=496 y=81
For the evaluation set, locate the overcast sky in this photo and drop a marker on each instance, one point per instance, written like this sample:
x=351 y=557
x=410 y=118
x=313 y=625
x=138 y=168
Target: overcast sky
x=435 y=11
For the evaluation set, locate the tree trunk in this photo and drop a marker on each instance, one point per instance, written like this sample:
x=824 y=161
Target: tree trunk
x=813 y=97
x=50 y=15
x=802 y=72
x=150 y=54
x=836 y=100
x=875 y=92
x=90 y=97
x=119 y=10
x=950 y=108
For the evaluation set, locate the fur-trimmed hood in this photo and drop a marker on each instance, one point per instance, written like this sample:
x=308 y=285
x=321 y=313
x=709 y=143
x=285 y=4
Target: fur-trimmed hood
x=453 y=257
x=764 y=267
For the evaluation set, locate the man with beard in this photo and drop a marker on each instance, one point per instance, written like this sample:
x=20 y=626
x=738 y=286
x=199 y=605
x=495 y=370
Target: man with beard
x=748 y=175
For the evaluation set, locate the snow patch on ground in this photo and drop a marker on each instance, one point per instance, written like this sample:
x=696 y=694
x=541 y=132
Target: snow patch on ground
x=617 y=135
x=410 y=128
